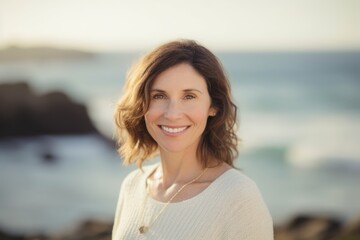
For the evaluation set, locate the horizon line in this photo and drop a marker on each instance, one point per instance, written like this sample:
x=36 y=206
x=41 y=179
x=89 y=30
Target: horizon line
x=145 y=49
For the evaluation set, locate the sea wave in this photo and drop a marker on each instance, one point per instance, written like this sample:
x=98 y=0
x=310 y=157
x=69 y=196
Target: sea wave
x=311 y=154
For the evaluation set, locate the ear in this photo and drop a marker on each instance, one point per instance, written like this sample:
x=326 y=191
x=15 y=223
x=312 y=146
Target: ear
x=212 y=112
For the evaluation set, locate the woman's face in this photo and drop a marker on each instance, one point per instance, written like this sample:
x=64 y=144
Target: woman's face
x=179 y=108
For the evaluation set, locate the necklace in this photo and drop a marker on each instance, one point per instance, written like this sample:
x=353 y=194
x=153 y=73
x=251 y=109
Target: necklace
x=143 y=228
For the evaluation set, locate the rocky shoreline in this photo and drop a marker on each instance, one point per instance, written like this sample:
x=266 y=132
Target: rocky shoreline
x=89 y=230
x=301 y=227
x=26 y=114
x=317 y=227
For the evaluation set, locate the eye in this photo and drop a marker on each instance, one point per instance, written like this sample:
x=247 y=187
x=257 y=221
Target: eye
x=158 y=96
x=189 y=97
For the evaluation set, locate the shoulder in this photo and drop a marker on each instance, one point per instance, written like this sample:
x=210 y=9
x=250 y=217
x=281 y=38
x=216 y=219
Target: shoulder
x=245 y=204
x=242 y=195
x=237 y=185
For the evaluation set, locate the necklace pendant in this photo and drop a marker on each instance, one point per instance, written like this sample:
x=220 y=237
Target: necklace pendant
x=143 y=229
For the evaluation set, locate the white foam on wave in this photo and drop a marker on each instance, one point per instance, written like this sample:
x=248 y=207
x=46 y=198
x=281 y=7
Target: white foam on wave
x=327 y=141
x=312 y=154
x=101 y=111
x=310 y=141
x=258 y=130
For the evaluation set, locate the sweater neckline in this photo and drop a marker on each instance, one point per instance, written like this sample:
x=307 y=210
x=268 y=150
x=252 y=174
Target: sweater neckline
x=197 y=196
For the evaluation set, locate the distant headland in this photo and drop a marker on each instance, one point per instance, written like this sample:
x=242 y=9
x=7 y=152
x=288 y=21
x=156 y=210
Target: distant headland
x=16 y=53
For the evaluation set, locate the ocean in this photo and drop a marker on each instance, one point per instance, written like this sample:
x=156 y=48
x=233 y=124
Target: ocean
x=299 y=117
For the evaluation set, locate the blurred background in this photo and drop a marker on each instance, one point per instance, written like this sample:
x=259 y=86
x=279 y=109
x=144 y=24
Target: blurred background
x=294 y=67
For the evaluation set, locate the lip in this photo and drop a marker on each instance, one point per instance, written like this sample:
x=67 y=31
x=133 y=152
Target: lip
x=173 y=130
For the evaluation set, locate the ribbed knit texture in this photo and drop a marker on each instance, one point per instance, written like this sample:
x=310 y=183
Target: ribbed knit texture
x=231 y=207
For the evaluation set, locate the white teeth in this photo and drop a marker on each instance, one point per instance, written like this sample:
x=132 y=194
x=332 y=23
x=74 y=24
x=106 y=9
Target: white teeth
x=173 y=130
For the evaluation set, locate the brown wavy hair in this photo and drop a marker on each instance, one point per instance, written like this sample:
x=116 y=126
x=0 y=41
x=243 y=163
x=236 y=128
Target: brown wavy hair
x=219 y=140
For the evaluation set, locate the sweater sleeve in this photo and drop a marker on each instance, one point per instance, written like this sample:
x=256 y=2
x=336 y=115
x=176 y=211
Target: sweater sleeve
x=124 y=190
x=249 y=216
x=119 y=206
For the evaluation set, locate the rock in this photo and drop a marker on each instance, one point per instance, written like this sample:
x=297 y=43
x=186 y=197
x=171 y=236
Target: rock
x=351 y=230
x=7 y=236
x=310 y=227
x=93 y=230
x=48 y=157
x=87 y=230
x=25 y=114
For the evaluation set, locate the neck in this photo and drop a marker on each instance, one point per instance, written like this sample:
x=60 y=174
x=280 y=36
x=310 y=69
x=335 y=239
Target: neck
x=178 y=168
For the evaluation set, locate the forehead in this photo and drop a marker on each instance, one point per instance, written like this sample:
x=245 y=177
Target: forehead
x=180 y=76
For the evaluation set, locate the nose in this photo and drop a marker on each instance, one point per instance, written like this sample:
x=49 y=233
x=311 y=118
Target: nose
x=173 y=110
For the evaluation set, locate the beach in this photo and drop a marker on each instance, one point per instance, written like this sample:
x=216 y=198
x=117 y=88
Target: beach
x=299 y=125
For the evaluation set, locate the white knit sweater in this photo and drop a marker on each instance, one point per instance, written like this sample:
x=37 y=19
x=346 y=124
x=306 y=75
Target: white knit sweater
x=231 y=207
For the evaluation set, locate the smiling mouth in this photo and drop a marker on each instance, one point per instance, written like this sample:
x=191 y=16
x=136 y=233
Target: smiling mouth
x=173 y=130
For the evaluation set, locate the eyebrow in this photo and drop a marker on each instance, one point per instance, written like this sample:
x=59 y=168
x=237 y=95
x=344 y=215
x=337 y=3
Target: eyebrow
x=185 y=90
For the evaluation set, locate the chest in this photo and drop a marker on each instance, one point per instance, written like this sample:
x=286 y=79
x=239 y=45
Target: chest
x=199 y=218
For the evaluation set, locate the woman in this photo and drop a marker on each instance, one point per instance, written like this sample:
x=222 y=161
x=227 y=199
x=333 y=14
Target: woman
x=177 y=103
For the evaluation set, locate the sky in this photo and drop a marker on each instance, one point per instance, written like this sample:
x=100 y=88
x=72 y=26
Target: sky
x=111 y=25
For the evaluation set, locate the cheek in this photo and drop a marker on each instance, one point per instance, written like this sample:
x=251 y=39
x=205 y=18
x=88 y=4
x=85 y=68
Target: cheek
x=151 y=117
x=200 y=116
x=153 y=113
